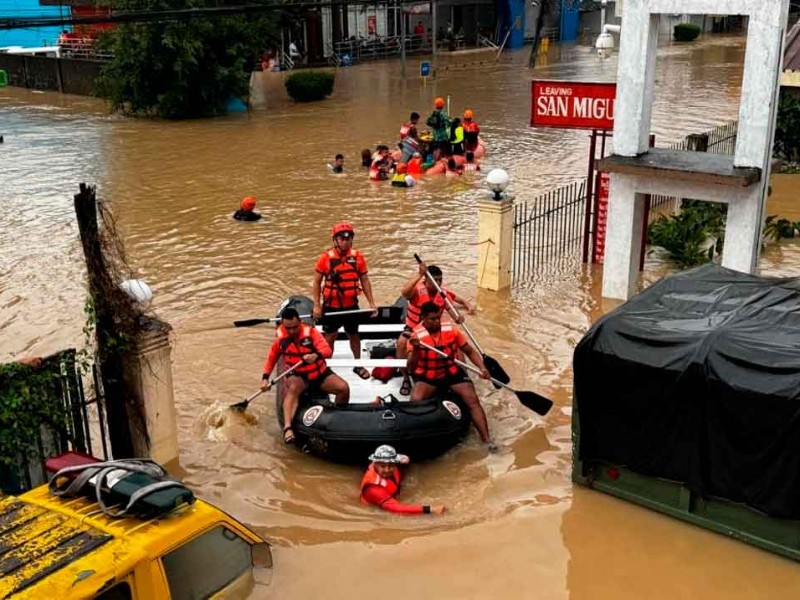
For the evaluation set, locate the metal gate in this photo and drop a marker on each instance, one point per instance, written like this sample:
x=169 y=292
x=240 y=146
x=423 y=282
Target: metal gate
x=84 y=429
x=549 y=227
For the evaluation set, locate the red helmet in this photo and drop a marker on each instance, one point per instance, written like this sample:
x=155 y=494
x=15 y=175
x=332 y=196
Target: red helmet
x=438 y=103
x=343 y=227
x=249 y=203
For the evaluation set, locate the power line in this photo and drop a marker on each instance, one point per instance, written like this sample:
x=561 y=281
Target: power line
x=140 y=16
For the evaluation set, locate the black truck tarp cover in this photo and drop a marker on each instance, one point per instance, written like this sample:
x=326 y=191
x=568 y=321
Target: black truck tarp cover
x=697 y=380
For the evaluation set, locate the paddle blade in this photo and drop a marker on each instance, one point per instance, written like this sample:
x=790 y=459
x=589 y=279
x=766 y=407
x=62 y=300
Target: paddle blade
x=537 y=403
x=495 y=370
x=240 y=406
x=251 y=322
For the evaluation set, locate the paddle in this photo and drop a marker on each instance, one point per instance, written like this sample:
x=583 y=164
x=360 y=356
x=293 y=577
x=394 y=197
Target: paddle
x=536 y=402
x=495 y=369
x=251 y=322
x=242 y=406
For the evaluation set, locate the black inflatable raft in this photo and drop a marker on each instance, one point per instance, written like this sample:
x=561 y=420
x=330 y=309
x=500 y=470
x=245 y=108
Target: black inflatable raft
x=420 y=429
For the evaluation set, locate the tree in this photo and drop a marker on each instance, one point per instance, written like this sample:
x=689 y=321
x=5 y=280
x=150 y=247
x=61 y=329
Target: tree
x=182 y=69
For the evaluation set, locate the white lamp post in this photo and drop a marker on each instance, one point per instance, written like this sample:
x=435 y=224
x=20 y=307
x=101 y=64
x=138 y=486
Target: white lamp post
x=497 y=180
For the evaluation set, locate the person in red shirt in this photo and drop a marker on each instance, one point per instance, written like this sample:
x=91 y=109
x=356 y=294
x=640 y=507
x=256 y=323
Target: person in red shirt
x=418 y=290
x=433 y=373
x=382 y=480
x=406 y=127
x=339 y=277
x=298 y=342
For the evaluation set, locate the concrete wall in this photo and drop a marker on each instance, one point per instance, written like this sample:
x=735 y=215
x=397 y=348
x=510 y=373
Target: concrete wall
x=69 y=76
x=590 y=22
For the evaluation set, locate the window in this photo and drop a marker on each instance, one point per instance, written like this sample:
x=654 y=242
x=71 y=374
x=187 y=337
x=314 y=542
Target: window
x=121 y=591
x=206 y=564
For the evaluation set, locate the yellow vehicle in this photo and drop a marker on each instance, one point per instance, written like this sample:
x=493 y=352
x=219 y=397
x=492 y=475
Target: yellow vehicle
x=57 y=547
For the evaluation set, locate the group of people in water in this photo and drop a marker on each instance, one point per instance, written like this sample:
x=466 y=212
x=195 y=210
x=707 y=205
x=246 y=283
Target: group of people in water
x=451 y=147
x=430 y=345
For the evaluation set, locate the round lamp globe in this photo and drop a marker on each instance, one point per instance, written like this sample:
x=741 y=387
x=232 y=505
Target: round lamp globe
x=139 y=291
x=497 y=180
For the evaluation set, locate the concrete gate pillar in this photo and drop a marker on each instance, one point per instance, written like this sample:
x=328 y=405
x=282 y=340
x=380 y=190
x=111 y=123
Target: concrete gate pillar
x=495 y=239
x=740 y=181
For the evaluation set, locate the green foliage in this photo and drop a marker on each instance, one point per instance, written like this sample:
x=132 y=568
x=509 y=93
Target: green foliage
x=685 y=32
x=776 y=229
x=787 y=127
x=27 y=402
x=789 y=168
x=686 y=236
x=181 y=69
x=308 y=86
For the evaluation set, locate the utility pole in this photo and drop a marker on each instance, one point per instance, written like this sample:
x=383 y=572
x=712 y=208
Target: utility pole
x=433 y=30
x=543 y=8
x=402 y=40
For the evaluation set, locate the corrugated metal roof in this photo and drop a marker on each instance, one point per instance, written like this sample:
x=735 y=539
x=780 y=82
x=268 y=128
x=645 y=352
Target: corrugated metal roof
x=791 y=54
x=35 y=542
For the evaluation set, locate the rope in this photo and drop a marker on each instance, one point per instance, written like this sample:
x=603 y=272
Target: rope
x=486 y=241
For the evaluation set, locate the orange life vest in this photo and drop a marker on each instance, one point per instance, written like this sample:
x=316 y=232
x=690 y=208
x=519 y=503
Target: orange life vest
x=471 y=131
x=342 y=281
x=371 y=477
x=421 y=296
x=294 y=351
x=430 y=365
x=415 y=166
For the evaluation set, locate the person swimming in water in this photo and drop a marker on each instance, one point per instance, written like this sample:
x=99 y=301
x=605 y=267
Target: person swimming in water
x=247 y=211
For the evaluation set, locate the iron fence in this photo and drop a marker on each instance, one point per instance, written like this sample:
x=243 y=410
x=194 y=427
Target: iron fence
x=720 y=140
x=551 y=226
x=548 y=227
x=84 y=429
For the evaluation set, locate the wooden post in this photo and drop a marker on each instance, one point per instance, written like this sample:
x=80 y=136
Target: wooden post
x=111 y=363
x=646 y=217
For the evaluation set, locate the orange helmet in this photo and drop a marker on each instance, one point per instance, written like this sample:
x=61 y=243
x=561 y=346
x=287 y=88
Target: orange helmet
x=438 y=103
x=468 y=114
x=248 y=203
x=343 y=227
x=401 y=167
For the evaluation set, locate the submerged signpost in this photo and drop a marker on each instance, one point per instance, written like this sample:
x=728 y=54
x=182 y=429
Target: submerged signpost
x=579 y=105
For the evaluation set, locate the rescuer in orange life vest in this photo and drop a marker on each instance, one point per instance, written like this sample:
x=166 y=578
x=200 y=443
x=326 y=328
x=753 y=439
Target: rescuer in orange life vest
x=299 y=342
x=382 y=480
x=339 y=277
x=418 y=290
x=471 y=131
x=433 y=373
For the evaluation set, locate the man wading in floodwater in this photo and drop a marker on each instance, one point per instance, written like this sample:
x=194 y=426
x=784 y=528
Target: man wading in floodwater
x=344 y=272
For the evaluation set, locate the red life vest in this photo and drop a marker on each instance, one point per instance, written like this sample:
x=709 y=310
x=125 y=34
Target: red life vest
x=371 y=477
x=342 y=281
x=294 y=351
x=430 y=365
x=420 y=297
x=404 y=129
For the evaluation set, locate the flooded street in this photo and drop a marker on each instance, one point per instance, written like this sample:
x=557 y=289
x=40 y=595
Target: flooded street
x=517 y=528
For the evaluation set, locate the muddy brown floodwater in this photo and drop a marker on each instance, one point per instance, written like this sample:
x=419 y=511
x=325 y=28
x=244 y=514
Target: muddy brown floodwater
x=517 y=528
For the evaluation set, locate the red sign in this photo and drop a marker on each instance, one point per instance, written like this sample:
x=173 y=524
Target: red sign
x=572 y=105
x=372 y=25
x=601 y=218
